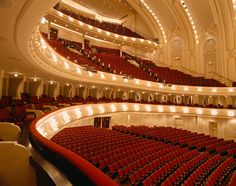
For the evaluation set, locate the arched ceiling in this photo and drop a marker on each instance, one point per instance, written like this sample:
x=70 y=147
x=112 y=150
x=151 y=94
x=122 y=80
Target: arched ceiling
x=201 y=12
x=163 y=13
x=116 y=9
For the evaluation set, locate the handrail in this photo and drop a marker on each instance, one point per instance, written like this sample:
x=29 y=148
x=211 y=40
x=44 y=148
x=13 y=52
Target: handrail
x=189 y=71
x=221 y=78
x=160 y=63
x=143 y=57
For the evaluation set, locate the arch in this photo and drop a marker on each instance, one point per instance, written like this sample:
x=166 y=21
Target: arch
x=124 y=95
x=138 y=97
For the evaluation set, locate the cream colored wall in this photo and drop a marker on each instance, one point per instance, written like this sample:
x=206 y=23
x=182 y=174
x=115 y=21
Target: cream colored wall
x=230 y=129
x=82 y=122
x=136 y=23
x=147 y=119
x=119 y=118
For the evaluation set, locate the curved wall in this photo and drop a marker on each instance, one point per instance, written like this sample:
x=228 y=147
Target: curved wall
x=192 y=118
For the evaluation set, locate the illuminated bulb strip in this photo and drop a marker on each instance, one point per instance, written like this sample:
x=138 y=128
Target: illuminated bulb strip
x=231 y=113
x=148 y=108
x=156 y=19
x=231 y=89
x=199 y=111
x=124 y=107
x=214 y=112
x=172 y=109
x=136 y=108
x=185 y=110
x=101 y=109
x=160 y=109
x=234 y=4
x=191 y=20
x=77 y=113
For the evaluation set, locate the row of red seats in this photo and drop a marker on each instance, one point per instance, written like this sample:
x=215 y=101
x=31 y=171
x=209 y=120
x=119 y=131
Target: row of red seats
x=233 y=179
x=75 y=57
x=119 y=65
x=154 y=173
x=101 y=61
x=221 y=173
x=152 y=153
x=108 y=60
x=154 y=160
x=139 y=160
x=183 y=172
x=105 y=50
x=140 y=151
x=172 y=76
x=18 y=114
x=119 y=139
x=182 y=137
x=203 y=171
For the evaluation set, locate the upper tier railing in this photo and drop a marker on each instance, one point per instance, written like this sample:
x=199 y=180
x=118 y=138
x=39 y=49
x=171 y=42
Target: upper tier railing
x=45 y=57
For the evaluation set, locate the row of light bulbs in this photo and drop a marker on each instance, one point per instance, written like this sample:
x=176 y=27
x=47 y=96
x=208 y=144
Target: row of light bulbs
x=156 y=19
x=147 y=108
x=90 y=110
x=234 y=4
x=191 y=20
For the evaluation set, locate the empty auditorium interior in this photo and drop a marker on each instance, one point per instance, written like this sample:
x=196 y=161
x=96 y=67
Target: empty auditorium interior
x=117 y=92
